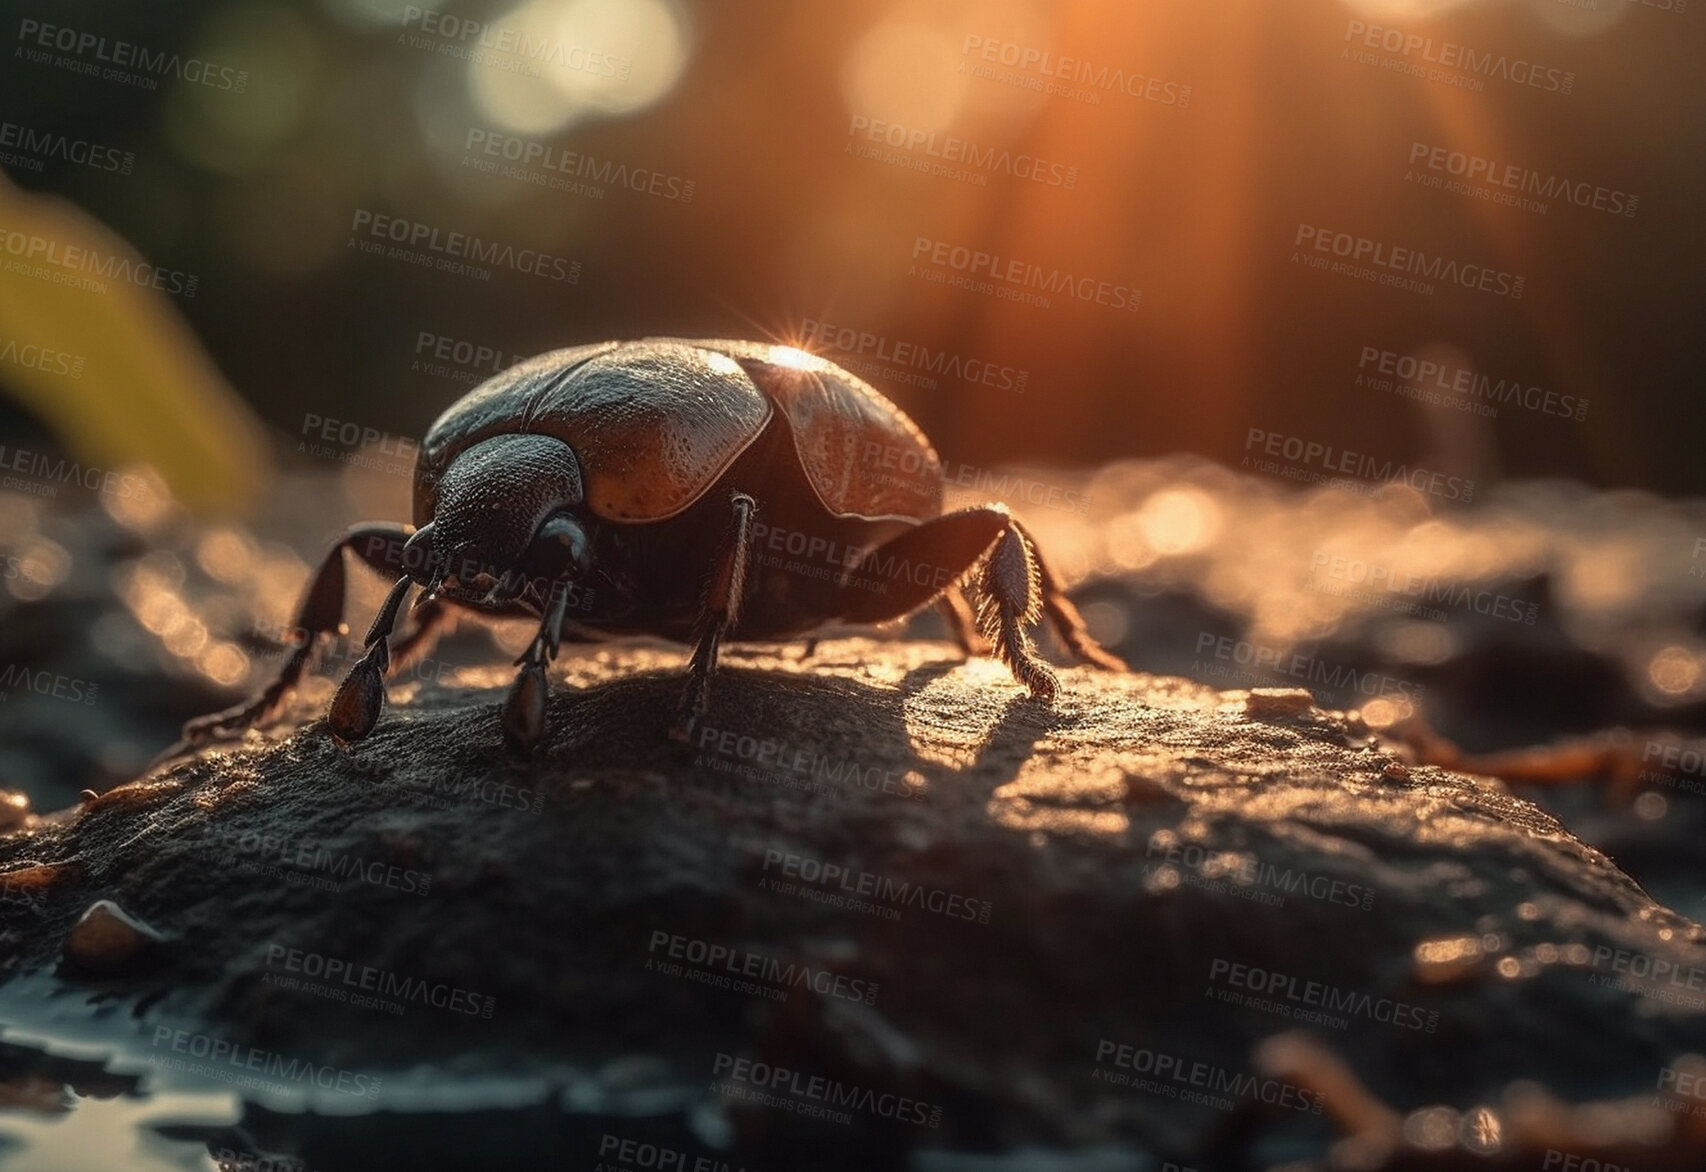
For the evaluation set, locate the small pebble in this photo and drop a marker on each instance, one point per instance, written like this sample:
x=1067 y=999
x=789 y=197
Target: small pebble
x=107 y=939
x=1264 y=703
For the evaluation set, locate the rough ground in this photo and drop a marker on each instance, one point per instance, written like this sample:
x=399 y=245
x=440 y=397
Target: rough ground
x=1056 y=903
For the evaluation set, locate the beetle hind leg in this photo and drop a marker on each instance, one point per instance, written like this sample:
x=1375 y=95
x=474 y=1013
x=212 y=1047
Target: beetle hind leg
x=962 y=622
x=1013 y=585
x=1009 y=600
x=1063 y=617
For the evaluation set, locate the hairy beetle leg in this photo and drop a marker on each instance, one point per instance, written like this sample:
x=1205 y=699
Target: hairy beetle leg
x=720 y=612
x=1063 y=617
x=962 y=623
x=1015 y=587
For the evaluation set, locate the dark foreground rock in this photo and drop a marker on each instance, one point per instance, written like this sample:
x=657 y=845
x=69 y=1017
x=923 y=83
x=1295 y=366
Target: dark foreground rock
x=888 y=908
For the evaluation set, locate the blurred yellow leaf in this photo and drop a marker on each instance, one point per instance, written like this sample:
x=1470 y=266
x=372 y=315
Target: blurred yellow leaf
x=129 y=381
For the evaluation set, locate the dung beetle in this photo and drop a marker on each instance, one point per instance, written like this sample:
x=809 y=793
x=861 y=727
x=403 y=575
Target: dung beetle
x=694 y=490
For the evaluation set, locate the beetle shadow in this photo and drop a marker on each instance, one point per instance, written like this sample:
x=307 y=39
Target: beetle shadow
x=1012 y=728
x=768 y=732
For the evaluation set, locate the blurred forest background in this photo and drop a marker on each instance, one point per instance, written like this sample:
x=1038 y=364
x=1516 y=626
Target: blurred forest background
x=1095 y=240
x=1233 y=124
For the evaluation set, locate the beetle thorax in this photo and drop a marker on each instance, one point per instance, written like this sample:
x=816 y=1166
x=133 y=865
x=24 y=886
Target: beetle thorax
x=493 y=498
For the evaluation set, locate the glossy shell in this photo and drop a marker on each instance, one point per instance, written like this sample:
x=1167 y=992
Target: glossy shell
x=655 y=423
x=862 y=454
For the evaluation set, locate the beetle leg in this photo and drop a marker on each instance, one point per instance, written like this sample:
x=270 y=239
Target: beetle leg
x=1014 y=588
x=1063 y=617
x=524 y=709
x=355 y=707
x=719 y=613
x=962 y=623
x=321 y=613
x=429 y=621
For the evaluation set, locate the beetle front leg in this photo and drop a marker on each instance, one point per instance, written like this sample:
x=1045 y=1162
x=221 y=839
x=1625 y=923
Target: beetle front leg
x=321 y=613
x=720 y=612
x=524 y=709
x=355 y=709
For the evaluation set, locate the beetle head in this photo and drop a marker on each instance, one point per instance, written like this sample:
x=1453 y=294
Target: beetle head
x=503 y=522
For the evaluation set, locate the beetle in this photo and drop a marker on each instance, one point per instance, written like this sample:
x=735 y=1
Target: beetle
x=700 y=491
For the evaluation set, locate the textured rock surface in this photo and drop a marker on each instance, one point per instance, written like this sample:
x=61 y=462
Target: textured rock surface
x=1034 y=908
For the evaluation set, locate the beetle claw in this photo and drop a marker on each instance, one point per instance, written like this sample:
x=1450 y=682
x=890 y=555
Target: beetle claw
x=356 y=707
x=524 y=710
